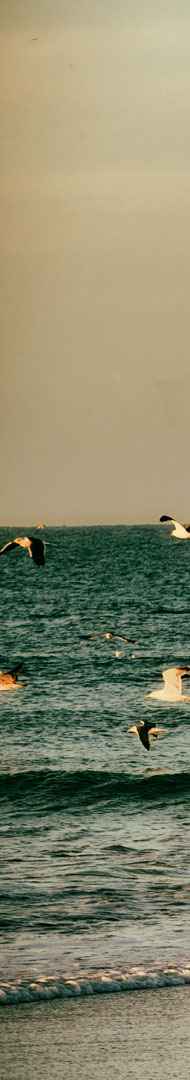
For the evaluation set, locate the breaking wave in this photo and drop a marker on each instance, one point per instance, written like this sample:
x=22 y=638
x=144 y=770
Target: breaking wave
x=103 y=981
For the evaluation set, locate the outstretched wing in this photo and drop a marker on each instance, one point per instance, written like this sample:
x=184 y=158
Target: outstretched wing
x=8 y=547
x=166 y=517
x=171 y=678
x=179 y=529
x=37 y=548
x=156 y=731
x=127 y=640
x=144 y=737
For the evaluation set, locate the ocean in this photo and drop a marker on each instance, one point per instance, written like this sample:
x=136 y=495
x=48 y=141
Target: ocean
x=95 y=831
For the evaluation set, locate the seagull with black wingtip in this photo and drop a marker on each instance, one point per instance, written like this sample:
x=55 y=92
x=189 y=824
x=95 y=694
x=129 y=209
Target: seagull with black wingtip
x=32 y=544
x=181 y=532
x=145 y=730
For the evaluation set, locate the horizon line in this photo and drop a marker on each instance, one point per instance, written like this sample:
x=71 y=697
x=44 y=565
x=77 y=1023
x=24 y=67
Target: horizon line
x=78 y=524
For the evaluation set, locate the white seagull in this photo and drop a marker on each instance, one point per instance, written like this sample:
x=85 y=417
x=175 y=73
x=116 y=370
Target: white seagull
x=144 y=730
x=172 y=689
x=181 y=532
x=34 y=546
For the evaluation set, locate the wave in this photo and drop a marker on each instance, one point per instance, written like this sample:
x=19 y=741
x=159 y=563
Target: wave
x=59 y=789
x=44 y=988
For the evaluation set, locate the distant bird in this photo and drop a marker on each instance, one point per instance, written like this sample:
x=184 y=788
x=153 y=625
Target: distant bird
x=34 y=546
x=145 y=729
x=181 y=532
x=9 y=680
x=172 y=689
x=109 y=635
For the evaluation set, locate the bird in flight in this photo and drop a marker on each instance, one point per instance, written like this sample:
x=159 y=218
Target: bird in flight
x=144 y=730
x=109 y=635
x=172 y=689
x=34 y=546
x=181 y=532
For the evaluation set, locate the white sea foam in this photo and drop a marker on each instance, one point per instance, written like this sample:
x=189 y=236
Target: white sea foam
x=96 y=982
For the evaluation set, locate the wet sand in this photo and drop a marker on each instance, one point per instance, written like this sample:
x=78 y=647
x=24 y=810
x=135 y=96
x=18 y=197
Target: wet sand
x=140 y=1034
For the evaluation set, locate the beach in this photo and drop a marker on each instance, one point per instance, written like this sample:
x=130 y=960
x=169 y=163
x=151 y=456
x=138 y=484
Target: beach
x=138 y=1034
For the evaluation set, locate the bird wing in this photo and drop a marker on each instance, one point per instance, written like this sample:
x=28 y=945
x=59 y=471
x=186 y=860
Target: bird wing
x=144 y=737
x=166 y=517
x=8 y=547
x=180 y=529
x=120 y=637
x=37 y=548
x=156 y=731
x=171 y=678
x=127 y=640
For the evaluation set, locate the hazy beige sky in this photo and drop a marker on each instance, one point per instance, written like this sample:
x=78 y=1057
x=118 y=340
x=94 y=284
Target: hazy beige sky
x=95 y=260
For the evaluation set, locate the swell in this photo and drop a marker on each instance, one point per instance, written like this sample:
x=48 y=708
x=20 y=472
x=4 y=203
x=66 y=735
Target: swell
x=58 y=789
x=42 y=988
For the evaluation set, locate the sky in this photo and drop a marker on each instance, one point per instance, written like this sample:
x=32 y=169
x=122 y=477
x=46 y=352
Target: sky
x=94 y=261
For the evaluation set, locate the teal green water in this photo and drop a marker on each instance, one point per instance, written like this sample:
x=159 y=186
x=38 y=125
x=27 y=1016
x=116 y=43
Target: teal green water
x=95 y=832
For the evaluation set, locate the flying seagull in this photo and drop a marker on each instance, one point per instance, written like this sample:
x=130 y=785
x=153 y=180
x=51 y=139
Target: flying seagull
x=109 y=635
x=172 y=689
x=34 y=546
x=144 y=729
x=181 y=532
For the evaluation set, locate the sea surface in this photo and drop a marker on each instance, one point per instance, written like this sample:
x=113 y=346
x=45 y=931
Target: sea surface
x=95 y=831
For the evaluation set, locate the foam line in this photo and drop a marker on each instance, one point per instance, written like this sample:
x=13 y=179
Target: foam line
x=47 y=988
